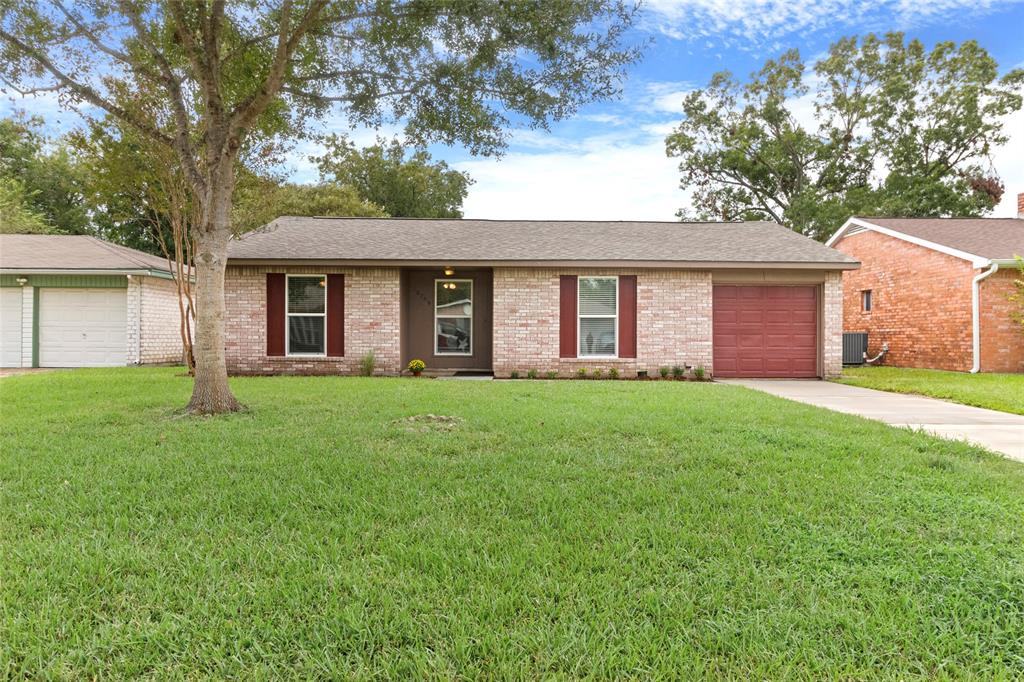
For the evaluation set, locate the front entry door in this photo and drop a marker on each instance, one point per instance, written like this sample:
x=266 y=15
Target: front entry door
x=447 y=318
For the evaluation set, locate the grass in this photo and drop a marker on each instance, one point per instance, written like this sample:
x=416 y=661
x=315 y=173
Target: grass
x=1004 y=392
x=550 y=529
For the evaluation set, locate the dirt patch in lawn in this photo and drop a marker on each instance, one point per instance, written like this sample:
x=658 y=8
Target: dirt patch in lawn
x=422 y=423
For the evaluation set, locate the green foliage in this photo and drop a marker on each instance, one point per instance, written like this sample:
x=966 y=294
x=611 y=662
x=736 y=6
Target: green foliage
x=416 y=365
x=928 y=120
x=678 y=372
x=49 y=178
x=699 y=373
x=551 y=374
x=581 y=373
x=514 y=374
x=261 y=200
x=613 y=373
x=367 y=364
x=532 y=374
x=17 y=216
x=664 y=372
x=597 y=373
x=726 y=533
x=405 y=186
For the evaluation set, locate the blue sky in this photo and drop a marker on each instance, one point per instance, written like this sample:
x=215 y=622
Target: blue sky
x=608 y=162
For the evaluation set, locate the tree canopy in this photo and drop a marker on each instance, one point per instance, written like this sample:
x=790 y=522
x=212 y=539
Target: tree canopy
x=405 y=185
x=897 y=130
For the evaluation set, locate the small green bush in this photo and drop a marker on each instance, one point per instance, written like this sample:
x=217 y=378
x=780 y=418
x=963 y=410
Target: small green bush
x=678 y=372
x=699 y=373
x=551 y=374
x=532 y=374
x=514 y=374
x=581 y=373
x=597 y=373
x=368 y=364
x=663 y=371
x=613 y=373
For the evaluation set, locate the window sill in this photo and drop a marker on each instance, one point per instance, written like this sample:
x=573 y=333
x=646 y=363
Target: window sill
x=305 y=357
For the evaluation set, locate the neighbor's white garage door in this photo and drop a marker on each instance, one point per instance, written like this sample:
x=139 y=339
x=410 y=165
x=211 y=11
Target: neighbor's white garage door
x=10 y=327
x=82 y=327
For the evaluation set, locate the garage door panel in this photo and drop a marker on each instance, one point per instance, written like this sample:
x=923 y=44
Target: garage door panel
x=765 y=331
x=10 y=326
x=82 y=327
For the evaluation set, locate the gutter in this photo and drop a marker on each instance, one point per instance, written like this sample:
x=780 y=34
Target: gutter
x=161 y=274
x=976 y=313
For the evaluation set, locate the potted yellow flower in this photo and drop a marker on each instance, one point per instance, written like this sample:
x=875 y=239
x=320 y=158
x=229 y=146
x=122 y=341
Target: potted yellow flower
x=416 y=366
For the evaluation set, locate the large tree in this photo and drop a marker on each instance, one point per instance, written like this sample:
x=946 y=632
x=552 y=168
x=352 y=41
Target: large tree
x=897 y=130
x=406 y=185
x=237 y=74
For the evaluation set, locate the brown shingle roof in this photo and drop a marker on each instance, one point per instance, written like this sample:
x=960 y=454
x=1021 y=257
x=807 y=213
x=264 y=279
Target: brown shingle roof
x=452 y=241
x=71 y=252
x=993 y=238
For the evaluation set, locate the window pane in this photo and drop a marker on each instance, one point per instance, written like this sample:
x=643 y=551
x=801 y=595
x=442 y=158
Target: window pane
x=597 y=296
x=307 y=294
x=454 y=298
x=597 y=336
x=306 y=335
x=454 y=335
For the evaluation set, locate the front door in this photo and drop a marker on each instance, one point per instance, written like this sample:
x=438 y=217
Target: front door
x=446 y=319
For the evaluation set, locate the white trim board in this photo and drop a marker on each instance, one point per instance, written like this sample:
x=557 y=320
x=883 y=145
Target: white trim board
x=974 y=259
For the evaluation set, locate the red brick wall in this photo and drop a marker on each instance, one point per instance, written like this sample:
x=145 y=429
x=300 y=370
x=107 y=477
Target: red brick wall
x=921 y=301
x=1002 y=339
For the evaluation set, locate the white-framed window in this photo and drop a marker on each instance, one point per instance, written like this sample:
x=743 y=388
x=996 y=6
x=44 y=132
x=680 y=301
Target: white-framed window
x=865 y=300
x=453 y=317
x=597 y=308
x=306 y=315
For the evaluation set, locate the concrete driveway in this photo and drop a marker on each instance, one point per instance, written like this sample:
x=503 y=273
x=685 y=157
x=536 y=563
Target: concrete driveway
x=998 y=431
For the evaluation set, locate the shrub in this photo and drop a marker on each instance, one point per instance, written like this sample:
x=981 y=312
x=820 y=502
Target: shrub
x=514 y=374
x=678 y=372
x=597 y=373
x=663 y=371
x=613 y=373
x=699 y=373
x=368 y=364
x=551 y=374
x=581 y=373
x=416 y=365
x=532 y=374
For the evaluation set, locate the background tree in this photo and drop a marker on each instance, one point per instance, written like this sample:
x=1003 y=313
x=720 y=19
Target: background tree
x=406 y=186
x=235 y=75
x=17 y=215
x=897 y=131
x=49 y=177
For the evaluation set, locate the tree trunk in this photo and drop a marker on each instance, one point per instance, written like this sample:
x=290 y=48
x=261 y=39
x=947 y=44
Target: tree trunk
x=210 y=392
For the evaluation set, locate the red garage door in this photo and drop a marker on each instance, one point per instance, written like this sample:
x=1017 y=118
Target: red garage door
x=765 y=331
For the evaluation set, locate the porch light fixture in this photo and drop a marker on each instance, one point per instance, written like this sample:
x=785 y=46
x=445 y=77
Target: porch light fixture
x=448 y=285
x=449 y=271
x=21 y=281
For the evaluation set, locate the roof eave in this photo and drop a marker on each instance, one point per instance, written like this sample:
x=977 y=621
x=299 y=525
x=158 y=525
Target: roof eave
x=620 y=263
x=974 y=259
x=141 y=272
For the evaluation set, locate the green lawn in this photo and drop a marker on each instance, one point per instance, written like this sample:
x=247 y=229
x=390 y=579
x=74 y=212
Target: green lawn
x=1003 y=392
x=565 y=529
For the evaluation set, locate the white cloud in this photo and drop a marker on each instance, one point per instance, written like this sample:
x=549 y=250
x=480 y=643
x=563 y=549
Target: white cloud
x=744 y=24
x=1009 y=163
x=603 y=180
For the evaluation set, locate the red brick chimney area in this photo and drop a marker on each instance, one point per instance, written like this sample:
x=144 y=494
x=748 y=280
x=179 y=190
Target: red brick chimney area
x=1020 y=205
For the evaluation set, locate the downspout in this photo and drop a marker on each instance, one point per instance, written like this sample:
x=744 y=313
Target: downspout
x=976 y=314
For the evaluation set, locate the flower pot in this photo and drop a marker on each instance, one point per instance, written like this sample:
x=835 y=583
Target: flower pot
x=416 y=374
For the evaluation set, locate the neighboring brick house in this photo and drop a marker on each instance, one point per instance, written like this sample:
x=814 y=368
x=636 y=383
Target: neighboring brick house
x=935 y=290
x=315 y=295
x=78 y=301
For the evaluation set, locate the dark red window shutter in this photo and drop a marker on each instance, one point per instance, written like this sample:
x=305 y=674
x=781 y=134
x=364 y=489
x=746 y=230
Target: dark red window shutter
x=275 y=313
x=627 y=316
x=567 y=317
x=336 y=315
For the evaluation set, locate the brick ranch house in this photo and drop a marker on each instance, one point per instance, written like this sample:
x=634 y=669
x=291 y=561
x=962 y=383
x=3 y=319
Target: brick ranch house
x=935 y=290
x=78 y=301
x=315 y=295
